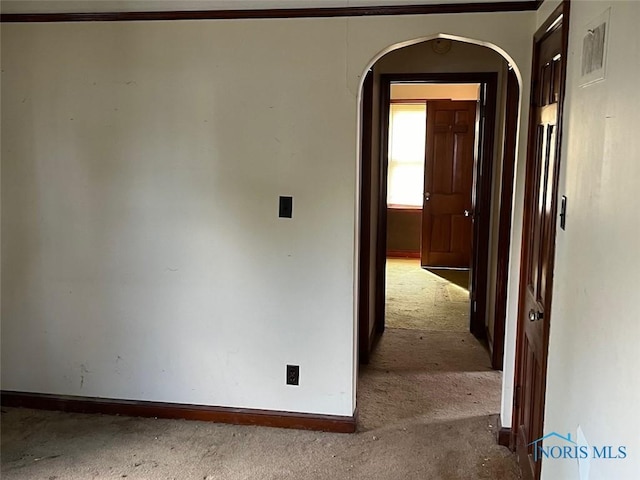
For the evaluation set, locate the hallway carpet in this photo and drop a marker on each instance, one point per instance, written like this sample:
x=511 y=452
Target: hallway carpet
x=427 y=410
x=422 y=299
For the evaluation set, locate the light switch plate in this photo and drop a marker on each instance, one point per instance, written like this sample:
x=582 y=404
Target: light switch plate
x=286 y=207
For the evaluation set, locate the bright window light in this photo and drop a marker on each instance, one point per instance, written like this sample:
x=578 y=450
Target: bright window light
x=407 y=135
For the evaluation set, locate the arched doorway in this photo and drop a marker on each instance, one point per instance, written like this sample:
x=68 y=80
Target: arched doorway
x=442 y=60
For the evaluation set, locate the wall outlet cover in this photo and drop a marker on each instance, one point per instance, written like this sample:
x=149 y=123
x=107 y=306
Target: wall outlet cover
x=293 y=374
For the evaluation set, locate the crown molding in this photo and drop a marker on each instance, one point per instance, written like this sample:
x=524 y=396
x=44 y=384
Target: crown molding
x=325 y=12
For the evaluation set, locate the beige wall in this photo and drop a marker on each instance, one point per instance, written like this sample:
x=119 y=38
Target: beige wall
x=142 y=256
x=425 y=91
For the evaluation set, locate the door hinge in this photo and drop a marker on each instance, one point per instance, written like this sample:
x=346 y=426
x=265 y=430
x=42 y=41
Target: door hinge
x=516 y=397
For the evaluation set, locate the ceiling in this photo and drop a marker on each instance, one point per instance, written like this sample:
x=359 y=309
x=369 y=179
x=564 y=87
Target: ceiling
x=90 y=6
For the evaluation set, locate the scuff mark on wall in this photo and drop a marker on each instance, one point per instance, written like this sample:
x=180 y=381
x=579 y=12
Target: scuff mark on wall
x=83 y=370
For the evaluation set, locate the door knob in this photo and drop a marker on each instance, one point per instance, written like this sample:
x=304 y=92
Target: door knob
x=427 y=196
x=533 y=315
x=467 y=213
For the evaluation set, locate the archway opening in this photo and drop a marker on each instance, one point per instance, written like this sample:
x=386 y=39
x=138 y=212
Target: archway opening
x=401 y=337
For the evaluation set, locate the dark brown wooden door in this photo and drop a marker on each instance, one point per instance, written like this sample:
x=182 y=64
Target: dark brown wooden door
x=538 y=247
x=449 y=164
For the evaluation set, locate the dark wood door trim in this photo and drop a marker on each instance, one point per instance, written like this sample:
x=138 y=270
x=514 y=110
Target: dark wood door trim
x=548 y=27
x=504 y=229
x=326 y=12
x=381 y=234
x=489 y=81
x=482 y=207
x=366 y=131
x=503 y=435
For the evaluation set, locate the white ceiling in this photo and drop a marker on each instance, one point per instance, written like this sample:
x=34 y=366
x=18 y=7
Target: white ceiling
x=87 y=6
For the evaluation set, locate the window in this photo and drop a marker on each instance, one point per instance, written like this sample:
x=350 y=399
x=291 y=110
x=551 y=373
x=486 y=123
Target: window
x=407 y=139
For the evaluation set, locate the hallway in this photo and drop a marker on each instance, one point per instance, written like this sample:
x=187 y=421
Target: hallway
x=426 y=300
x=429 y=372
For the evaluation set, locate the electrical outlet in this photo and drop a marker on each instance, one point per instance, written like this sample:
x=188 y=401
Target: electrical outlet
x=293 y=374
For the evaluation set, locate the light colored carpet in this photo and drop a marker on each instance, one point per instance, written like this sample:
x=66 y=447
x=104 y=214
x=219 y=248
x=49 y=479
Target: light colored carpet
x=427 y=411
x=426 y=376
x=58 y=446
x=426 y=300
